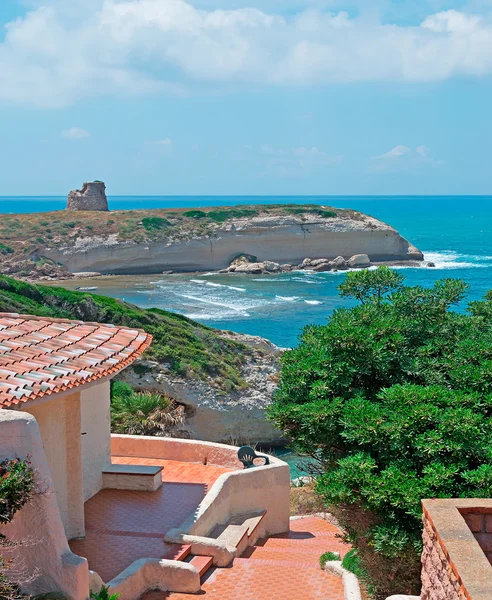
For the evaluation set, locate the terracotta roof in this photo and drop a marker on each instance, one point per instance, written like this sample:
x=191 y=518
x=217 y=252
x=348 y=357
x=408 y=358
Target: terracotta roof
x=40 y=356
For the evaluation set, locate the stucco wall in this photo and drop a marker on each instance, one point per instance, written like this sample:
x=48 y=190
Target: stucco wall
x=59 y=421
x=42 y=560
x=96 y=426
x=238 y=492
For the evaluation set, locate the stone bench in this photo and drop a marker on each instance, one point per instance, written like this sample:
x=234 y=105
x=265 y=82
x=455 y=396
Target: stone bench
x=132 y=477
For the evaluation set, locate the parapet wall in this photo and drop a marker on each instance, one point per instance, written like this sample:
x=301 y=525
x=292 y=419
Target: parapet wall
x=42 y=560
x=239 y=492
x=456 y=540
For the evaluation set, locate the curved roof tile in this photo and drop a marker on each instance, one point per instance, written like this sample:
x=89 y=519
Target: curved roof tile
x=40 y=356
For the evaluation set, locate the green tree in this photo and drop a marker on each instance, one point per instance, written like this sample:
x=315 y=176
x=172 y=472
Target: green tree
x=394 y=398
x=365 y=285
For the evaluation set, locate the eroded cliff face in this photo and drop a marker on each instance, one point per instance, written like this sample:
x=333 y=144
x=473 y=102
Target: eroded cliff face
x=279 y=238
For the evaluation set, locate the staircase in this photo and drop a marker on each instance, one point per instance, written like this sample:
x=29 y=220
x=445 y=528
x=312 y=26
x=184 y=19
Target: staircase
x=240 y=532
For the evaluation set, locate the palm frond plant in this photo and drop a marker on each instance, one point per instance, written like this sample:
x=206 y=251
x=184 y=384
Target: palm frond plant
x=144 y=413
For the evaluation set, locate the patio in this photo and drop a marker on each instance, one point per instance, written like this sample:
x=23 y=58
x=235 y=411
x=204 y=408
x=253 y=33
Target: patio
x=123 y=526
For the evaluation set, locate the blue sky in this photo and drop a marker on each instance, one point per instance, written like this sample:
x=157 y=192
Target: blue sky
x=246 y=96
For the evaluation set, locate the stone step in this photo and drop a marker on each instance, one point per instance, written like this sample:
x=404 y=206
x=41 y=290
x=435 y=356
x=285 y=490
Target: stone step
x=201 y=563
x=241 y=531
x=183 y=553
x=254 y=527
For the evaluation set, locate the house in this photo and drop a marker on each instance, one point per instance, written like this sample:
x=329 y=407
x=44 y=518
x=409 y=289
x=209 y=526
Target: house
x=59 y=372
x=55 y=409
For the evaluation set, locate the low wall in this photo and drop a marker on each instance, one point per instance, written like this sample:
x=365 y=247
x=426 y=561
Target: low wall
x=42 y=559
x=454 y=564
x=238 y=492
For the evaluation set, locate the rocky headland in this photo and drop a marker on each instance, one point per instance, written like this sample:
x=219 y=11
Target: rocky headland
x=87 y=238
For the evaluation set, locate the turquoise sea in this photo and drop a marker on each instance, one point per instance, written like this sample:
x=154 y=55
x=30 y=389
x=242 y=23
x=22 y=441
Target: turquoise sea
x=454 y=232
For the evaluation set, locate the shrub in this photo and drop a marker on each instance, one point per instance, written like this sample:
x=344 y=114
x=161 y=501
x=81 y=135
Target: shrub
x=155 y=223
x=6 y=249
x=328 y=557
x=195 y=214
x=16 y=487
x=394 y=398
x=103 y=594
x=308 y=209
x=220 y=216
x=143 y=413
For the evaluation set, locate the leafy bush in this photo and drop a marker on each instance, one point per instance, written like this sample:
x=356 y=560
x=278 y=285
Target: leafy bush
x=308 y=209
x=6 y=249
x=328 y=557
x=220 y=216
x=195 y=214
x=155 y=223
x=103 y=594
x=16 y=487
x=394 y=397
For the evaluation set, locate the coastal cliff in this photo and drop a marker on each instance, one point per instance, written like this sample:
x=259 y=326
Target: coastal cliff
x=152 y=241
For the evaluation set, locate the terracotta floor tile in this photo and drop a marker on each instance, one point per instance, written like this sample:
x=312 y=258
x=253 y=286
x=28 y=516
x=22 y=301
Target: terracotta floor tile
x=123 y=526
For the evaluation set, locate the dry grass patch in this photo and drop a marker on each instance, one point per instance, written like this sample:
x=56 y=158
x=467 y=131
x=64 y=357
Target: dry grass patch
x=304 y=501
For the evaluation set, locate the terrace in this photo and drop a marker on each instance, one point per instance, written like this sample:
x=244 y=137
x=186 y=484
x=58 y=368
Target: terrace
x=125 y=525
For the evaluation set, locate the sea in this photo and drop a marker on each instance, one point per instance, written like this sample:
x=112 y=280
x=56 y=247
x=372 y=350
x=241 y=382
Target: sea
x=454 y=232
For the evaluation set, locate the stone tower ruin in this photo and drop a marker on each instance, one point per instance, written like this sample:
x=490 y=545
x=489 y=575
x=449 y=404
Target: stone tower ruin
x=92 y=196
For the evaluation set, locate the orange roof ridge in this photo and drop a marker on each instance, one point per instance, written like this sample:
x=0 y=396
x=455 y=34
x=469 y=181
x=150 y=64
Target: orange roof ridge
x=39 y=358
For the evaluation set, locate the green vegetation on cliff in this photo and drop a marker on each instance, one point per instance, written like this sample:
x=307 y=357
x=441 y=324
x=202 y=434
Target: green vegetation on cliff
x=186 y=347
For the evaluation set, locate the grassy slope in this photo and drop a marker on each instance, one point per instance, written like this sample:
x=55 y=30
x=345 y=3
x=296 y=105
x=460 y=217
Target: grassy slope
x=189 y=348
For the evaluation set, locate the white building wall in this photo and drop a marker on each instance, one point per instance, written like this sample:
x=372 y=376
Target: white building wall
x=96 y=439
x=59 y=422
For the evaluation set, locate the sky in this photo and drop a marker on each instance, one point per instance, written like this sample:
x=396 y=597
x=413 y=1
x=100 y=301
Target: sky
x=246 y=97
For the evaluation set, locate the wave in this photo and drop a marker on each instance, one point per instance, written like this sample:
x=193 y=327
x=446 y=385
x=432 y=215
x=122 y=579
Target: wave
x=197 y=281
x=210 y=283
x=449 y=259
x=231 y=287
x=314 y=302
x=287 y=298
x=213 y=316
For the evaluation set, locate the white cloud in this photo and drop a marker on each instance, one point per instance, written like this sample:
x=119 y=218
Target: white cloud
x=403 y=158
x=395 y=152
x=164 y=142
x=58 y=54
x=75 y=133
x=452 y=21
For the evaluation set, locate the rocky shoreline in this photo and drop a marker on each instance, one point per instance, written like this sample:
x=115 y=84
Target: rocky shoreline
x=249 y=265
